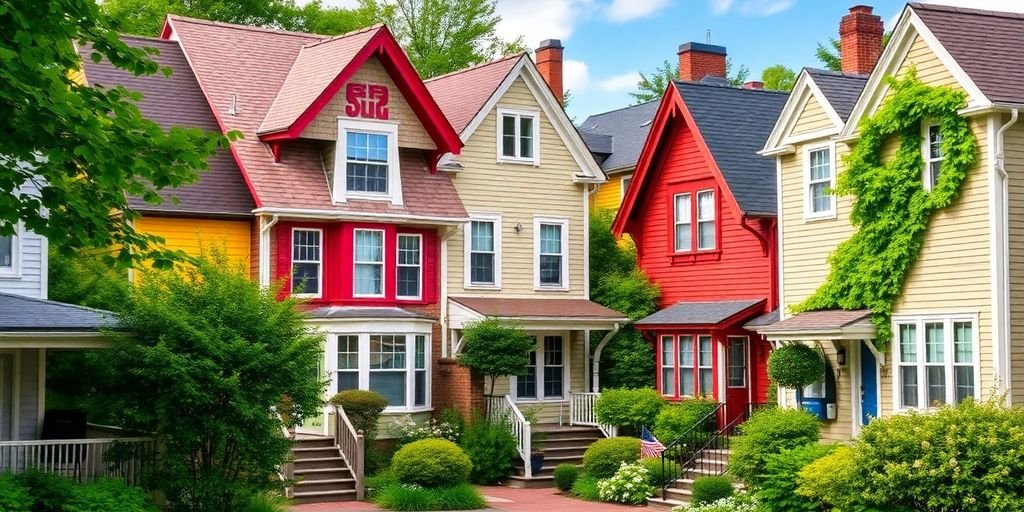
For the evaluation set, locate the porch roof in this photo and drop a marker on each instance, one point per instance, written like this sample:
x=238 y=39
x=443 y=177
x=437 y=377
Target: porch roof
x=540 y=308
x=830 y=324
x=700 y=313
x=20 y=314
x=354 y=312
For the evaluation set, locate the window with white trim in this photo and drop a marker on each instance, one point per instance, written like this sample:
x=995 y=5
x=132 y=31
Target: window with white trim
x=937 y=361
x=420 y=371
x=705 y=358
x=410 y=266
x=517 y=135
x=8 y=254
x=820 y=202
x=369 y=263
x=933 y=156
x=366 y=162
x=389 y=366
x=706 y=212
x=683 y=223
x=668 y=381
x=483 y=243
x=395 y=365
x=690 y=358
x=626 y=180
x=545 y=375
x=348 y=362
x=687 y=361
x=550 y=245
x=307 y=262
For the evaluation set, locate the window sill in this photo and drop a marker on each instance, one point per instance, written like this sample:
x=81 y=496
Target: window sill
x=690 y=258
x=367 y=197
x=519 y=161
x=820 y=217
x=395 y=411
x=481 y=287
x=557 y=289
x=306 y=296
x=541 y=401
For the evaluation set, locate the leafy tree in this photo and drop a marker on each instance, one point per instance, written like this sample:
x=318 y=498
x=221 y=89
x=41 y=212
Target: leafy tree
x=778 y=78
x=495 y=349
x=829 y=56
x=315 y=18
x=627 y=361
x=736 y=76
x=653 y=85
x=86 y=149
x=209 y=355
x=84 y=278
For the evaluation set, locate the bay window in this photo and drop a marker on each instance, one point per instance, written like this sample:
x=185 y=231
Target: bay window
x=551 y=241
x=394 y=365
x=369 y=263
x=545 y=376
x=937 y=361
x=410 y=266
x=307 y=262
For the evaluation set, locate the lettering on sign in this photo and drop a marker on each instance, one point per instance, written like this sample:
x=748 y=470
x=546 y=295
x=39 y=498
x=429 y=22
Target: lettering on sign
x=366 y=100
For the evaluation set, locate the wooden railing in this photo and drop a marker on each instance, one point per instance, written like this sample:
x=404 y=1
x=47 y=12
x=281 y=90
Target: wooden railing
x=581 y=412
x=286 y=471
x=352 y=446
x=501 y=408
x=83 y=460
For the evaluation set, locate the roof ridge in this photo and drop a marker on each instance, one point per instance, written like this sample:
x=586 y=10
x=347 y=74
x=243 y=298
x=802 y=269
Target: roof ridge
x=727 y=87
x=837 y=74
x=251 y=28
x=474 y=67
x=48 y=301
x=967 y=10
x=151 y=39
x=627 y=107
x=346 y=35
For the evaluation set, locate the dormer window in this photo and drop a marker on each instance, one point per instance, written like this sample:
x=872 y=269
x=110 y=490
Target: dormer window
x=366 y=162
x=517 y=136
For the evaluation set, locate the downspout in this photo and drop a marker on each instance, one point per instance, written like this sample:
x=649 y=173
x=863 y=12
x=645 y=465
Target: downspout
x=264 y=259
x=765 y=239
x=444 y=288
x=596 y=364
x=1003 y=368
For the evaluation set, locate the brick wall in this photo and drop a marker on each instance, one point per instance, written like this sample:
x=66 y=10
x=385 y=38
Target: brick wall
x=697 y=61
x=860 y=40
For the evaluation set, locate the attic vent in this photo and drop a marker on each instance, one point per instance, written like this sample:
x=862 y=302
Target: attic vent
x=647 y=122
x=234 y=105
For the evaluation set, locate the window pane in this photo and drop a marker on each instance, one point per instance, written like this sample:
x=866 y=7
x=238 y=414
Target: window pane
x=707 y=382
x=482 y=236
x=552 y=351
x=705 y=205
x=391 y=385
x=934 y=171
x=934 y=142
x=821 y=165
x=408 y=281
x=707 y=234
x=908 y=343
x=935 y=343
x=481 y=268
x=408 y=250
x=306 y=278
x=369 y=246
x=6 y=251
x=550 y=239
x=686 y=351
x=348 y=352
x=348 y=380
x=667 y=351
x=686 y=384
x=421 y=352
x=963 y=342
x=368 y=279
x=705 y=350
x=553 y=382
x=526 y=137
x=936 y=384
x=526 y=386
x=550 y=270
x=908 y=379
x=668 y=382
x=964 y=382
x=420 y=388
x=683 y=208
x=387 y=352
x=508 y=136
x=683 y=242
x=737 y=363
x=821 y=200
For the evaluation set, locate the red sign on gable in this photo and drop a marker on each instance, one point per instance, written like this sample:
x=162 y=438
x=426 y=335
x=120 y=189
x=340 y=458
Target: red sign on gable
x=366 y=100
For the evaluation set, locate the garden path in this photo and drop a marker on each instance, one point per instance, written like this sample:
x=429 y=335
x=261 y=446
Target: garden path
x=499 y=498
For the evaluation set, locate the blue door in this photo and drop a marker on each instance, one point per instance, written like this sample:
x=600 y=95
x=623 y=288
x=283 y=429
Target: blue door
x=868 y=385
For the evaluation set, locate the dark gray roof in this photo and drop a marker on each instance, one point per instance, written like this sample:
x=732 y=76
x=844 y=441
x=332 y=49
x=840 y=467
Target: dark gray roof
x=699 y=313
x=840 y=89
x=342 y=312
x=627 y=127
x=735 y=123
x=765 y=319
x=20 y=314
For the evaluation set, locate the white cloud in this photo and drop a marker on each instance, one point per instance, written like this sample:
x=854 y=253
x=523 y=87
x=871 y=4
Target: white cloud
x=619 y=83
x=990 y=5
x=621 y=11
x=537 y=20
x=575 y=75
x=751 y=7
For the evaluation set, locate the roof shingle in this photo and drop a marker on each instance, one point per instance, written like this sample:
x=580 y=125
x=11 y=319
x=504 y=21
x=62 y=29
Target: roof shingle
x=462 y=94
x=20 y=314
x=840 y=89
x=699 y=313
x=626 y=127
x=831 y=319
x=539 y=308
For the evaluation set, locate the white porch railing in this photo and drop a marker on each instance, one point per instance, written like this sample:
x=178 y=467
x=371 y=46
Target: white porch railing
x=83 y=460
x=352 y=446
x=502 y=408
x=286 y=471
x=581 y=412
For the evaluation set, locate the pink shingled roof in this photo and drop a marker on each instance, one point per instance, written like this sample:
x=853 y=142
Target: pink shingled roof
x=463 y=93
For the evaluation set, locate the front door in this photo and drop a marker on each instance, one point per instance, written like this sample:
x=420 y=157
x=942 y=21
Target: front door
x=868 y=385
x=737 y=377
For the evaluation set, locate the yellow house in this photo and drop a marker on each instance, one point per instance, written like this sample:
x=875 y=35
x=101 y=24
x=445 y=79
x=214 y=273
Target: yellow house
x=954 y=322
x=616 y=138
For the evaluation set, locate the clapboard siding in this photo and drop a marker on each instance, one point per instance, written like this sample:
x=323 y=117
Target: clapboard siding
x=553 y=410
x=813 y=118
x=193 y=236
x=609 y=194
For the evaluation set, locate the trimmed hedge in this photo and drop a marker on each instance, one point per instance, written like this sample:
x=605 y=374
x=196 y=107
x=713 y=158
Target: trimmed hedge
x=565 y=476
x=767 y=432
x=675 y=420
x=603 y=458
x=431 y=463
x=710 y=489
x=629 y=409
x=363 y=409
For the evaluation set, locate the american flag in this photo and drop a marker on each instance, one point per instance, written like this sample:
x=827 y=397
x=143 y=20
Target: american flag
x=649 y=445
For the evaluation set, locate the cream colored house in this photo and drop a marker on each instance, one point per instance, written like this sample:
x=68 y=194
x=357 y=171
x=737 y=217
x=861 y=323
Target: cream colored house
x=955 y=322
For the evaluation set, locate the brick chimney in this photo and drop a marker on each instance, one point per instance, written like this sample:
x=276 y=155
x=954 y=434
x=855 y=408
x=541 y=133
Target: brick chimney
x=860 y=40
x=753 y=84
x=698 y=60
x=549 y=63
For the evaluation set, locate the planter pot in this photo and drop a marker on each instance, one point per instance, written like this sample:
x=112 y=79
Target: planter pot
x=536 y=462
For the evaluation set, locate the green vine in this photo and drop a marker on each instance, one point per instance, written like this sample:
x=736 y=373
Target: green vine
x=891 y=208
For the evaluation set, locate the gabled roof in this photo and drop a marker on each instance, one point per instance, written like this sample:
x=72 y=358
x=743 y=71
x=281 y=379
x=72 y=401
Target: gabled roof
x=836 y=92
x=618 y=136
x=703 y=313
x=841 y=90
x=23 y=314
x=461 y=94
x=177 y=100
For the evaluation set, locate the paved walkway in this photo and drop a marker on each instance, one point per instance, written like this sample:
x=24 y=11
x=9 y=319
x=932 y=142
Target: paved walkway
x=499 y=498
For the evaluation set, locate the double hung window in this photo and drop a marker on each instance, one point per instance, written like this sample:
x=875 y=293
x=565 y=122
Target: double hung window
x=366 y=162
x=694 y=222
x=933 y=156
x=545 y=377
x=819 y=201
x=937 y=361
x=483 y=239
x=410 y=266
x=369 y=263
x=551 y=261
x=307 y=262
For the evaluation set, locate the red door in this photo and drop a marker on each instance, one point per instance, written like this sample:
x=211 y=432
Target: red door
x=737 y=377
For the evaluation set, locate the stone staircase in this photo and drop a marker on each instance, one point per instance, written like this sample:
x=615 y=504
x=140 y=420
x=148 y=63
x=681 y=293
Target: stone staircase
x=562 y=444
x=321 y=474
x=711 y=463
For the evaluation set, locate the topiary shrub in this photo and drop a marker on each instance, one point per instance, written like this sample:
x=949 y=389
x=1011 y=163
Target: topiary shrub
x=629 y=409
x=777 y=492
x=660 y=475
x=363 y=409
x=832 y=481
x=710 y=489
x=795 y=365
x=767 y=432
x=603 y=458
x=491 y=448
x=675 y=420
x=566 y=475
x=431 y=463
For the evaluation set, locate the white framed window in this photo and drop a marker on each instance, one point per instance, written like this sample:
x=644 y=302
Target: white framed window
x=936 y=360
x=482 y=265
x=687 y=365
x=551 y=261
x=668 y=380
x=707 y=233
x=545 y=378
x=348 y=362
x=366 y=164
x=410 y=266
x=369 y=263
x=518 y=137
x=626 y=180
x=705 y=361
x=395 y=365
x=307 y=262
x=683 y=222
x=687 y=362
x=10 y=254
x=819 y=180
x=933 y=157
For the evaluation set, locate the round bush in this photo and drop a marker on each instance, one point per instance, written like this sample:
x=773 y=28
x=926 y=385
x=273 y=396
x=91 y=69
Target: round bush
x=431 y=463
x=566 y=475
x=795 y=365
x=675 y=420
x=629 y=409
x=603 y=458
x=363 y=409
x=710 y=489
x=767 y=432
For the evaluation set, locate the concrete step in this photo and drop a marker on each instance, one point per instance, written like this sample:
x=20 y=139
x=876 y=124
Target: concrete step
x=335 y=484
x=299 y=498
x=537 y=482
x=322 y=474
x=335 y=462
x=657 y=503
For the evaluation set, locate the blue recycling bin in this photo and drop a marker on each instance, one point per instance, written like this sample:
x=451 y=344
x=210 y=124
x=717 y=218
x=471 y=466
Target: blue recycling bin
x=815 y=406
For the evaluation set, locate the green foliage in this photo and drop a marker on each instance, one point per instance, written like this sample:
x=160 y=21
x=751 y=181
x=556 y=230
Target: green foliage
x=491 y=448
x=795 y=365
x=675 y=420
x=85 y=279
x=777 y=492
x=209 y=355
x=565 y=476
x=829 y=56
x=14 y=497
x=35 y=491
x=660 y=474
x=495 y=349
x=615 y=280
x=604 y=456
x=629 y=409
x=49 y=492
x=108 y=495
x=585 y=488
x=267 y=502
x=363 y=408
x=739 y=502
x=710 y=489
x=654 y=84
x=630 y=485
x=833 y=482
x=405 y=430
x=778 y=78
x=413 y=497
x=431 y=463
x=767 y=432
x=891 y=208
x=627 y=361
x=73 y=141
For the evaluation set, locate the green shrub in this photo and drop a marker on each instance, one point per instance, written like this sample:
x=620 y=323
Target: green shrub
x=710 y=489
x=363 y=409
x=675 y=420
x=431 y=463
x=795 y=365
x=739 y=502
x=629 y=409
x=491 y=448
x=108 y=495
x=628 y=359
x=660 y=475
x=413 y=497
x=603 y=458
x=767 y=432
x=453 y=418
x=267 y=502
x=777 y=491
x=585 y=488
x=628 y=485
x=49 y=492
x=832 y=480
x=14 y=497
x=565 y=476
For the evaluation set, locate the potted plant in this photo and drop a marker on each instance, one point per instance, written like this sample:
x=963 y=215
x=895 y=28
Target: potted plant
x=537 y=438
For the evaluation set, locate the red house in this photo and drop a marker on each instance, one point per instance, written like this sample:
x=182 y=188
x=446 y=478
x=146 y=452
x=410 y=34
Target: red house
x=702 y=211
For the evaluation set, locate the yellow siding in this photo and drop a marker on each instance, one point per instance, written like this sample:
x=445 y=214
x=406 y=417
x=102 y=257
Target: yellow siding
x=609 y=194
x=813 y=118
x=550 y=411
x=193 y=235
x=519 y=193
x=411 y=133
x=1014 y=144
x=930 y=69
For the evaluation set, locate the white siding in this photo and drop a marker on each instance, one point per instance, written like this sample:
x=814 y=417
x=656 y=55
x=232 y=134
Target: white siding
x=30 y=260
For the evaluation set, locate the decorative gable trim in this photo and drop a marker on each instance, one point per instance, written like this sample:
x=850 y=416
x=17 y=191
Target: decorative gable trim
x=908 y=26
x=781 y=138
